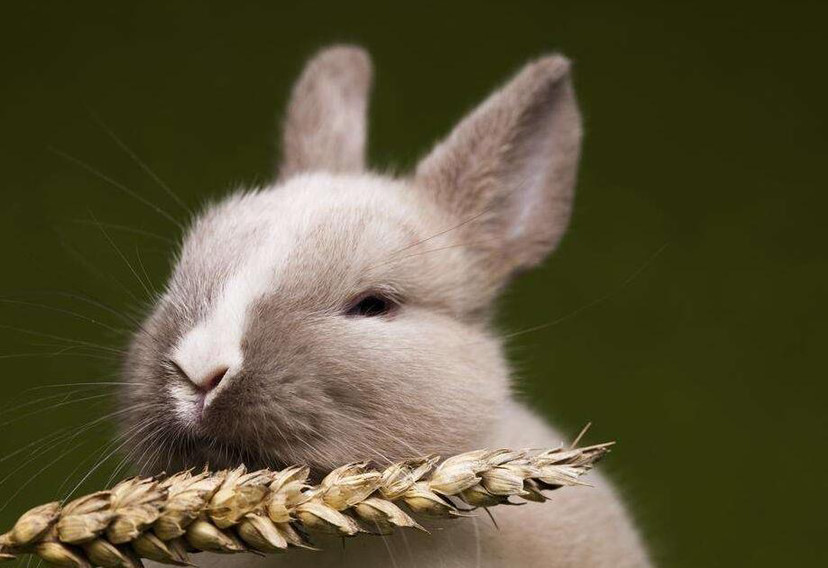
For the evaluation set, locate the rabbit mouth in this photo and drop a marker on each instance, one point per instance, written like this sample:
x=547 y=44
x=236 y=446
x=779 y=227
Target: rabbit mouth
x=225 y=433
x=220 y=454
x=174 y=448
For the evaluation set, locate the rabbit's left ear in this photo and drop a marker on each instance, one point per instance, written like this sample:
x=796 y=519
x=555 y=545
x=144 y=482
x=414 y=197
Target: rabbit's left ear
x=325 y=123
x=508 y=170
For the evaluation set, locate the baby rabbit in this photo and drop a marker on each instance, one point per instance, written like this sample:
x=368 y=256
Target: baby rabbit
x=338 y=315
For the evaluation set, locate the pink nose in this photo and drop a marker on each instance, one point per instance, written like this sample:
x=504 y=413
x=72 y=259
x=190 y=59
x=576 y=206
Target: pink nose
x=213 y=379
x=206 y=359
x=204 y=378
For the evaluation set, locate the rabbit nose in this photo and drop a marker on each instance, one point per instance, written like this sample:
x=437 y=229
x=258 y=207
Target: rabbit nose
x=205 y=379
x=207 y=359
x=213 y=379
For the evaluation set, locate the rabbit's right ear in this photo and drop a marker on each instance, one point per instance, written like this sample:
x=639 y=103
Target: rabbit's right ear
x=325 y=123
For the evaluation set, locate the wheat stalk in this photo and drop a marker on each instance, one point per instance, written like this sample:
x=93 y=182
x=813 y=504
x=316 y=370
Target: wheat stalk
x=163 y=519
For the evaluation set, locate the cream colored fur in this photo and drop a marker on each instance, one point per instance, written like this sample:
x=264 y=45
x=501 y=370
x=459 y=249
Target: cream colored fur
x=263 y=291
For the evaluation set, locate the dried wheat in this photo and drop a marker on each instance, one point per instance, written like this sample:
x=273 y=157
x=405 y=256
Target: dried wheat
x=163 y=519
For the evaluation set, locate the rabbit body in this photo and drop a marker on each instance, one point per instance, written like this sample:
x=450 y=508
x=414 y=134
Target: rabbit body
x=339 y=315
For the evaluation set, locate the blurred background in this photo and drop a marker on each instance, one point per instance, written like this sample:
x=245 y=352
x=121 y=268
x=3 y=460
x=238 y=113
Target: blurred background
x=684 y=314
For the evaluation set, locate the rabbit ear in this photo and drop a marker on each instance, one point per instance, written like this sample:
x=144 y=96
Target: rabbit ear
x=325 y=125
x=508 y=169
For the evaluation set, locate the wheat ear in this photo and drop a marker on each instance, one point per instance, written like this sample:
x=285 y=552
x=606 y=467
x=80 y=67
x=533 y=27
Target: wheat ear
x=163 y=519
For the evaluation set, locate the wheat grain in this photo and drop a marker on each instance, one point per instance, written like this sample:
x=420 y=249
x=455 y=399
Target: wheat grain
x=164 y=519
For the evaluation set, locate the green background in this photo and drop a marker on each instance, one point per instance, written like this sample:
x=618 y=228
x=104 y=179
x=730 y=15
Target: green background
x=687 y=302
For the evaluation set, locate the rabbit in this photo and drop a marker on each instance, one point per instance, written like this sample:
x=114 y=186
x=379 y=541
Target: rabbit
x=340 y=314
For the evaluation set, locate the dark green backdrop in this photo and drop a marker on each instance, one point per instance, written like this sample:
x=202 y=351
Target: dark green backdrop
x=687 y=300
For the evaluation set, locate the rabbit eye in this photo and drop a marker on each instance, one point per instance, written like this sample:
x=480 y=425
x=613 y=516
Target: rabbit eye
x=371 y=305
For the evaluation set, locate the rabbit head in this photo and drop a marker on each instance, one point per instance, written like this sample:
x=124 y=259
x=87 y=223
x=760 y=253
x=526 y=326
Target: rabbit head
x=339 y=315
